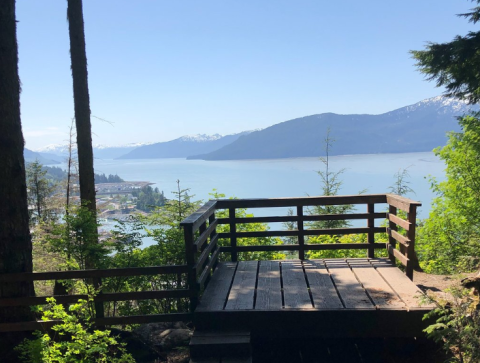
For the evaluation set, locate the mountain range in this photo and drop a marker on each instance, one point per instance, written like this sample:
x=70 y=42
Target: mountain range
x=415 y=128
x=99 y=151
x=43 y=158
x=183 y=147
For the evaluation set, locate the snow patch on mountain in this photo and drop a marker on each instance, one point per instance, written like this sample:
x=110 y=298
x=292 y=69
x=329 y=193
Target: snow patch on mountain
x=130 y=145
x=441 y=105
x=52 y=148
x=200 y=137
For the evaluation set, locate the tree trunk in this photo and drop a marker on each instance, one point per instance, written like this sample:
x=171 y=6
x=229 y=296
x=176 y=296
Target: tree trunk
x=15 y=239
x=82 y=111
x=81 y=100
x=82 y=103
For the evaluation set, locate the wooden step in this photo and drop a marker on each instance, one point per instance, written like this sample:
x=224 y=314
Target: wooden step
x=215 y=344
x=222 y=360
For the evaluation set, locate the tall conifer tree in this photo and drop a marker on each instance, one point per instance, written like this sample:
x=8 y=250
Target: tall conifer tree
x=15 y=239
x=82 y=111
x=455 y=65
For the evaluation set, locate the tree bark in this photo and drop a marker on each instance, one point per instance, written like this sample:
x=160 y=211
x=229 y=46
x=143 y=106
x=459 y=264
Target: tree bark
x=15 y=239
x=81 y=100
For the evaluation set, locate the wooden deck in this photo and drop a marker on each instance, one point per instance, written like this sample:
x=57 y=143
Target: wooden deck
x=329 y=298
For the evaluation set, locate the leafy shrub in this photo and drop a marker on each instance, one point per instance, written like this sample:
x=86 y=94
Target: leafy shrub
x=452 y=230
x=73 y=340
x=457 y=325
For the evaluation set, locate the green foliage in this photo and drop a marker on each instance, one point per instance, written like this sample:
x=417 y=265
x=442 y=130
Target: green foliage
x=73 y=237
x=331 y=184
x=457 y=325
x=347 y=253
x=401 y=184
x=74 y=339
x=250 y=241
x=350 y=238
x=102 y=178
x=55 y=173
x=163 y=226
x=452 y=231
x=40 y=189
x=455 y=65
x=147 y=198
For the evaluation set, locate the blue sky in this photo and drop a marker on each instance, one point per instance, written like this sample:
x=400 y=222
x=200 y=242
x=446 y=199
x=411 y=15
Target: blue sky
x=162 y=69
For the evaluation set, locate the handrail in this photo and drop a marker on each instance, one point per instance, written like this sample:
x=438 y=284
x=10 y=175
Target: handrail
x=301 y=201
x=85 y=274
x=201 y=215
x=101 y=297
x=402 y=203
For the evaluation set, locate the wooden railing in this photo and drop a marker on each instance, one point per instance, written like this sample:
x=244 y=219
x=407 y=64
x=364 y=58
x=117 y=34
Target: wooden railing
x=203 y=250
x=202 y=240
x=97 y=275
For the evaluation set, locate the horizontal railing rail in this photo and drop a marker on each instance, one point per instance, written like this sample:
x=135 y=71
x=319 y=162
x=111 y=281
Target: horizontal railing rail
x=85 y=274
x=101 y=297
x=202 y=240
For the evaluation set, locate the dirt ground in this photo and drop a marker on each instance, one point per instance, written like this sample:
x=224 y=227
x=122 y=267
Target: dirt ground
x=436 y=284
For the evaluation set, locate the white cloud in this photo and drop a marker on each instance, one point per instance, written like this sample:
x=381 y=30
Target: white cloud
x=39 y=137
x=46 y=131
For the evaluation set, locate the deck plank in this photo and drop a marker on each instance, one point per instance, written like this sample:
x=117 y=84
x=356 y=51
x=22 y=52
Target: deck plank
x=295 y=290
x=401 y=284
x=215 y=294
x=381 y=293
x=350 y=290
x=269 y=289
x=321 y=286
x=243 y=288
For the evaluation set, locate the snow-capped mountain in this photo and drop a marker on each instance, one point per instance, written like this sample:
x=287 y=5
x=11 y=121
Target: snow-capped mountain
x=127 y=146
x=440 y=104
x=183 y=146
x=58 y=149
x=100 y=151
x=418 y=127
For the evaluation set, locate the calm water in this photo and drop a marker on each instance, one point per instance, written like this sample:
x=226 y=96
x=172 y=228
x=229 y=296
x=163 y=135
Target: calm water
x=280 y=177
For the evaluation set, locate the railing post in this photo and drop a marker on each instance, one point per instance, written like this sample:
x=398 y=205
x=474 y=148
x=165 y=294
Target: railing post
x=371 y=233
x=233 y=234
x=410 y=253
x=211 y=220
x=202 y=229
x=301 y=235
x=190 y=257
x=99 y=308
x=393 y=227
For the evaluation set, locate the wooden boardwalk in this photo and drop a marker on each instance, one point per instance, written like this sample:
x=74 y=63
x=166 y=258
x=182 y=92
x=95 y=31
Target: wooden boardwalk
x=329 y=298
